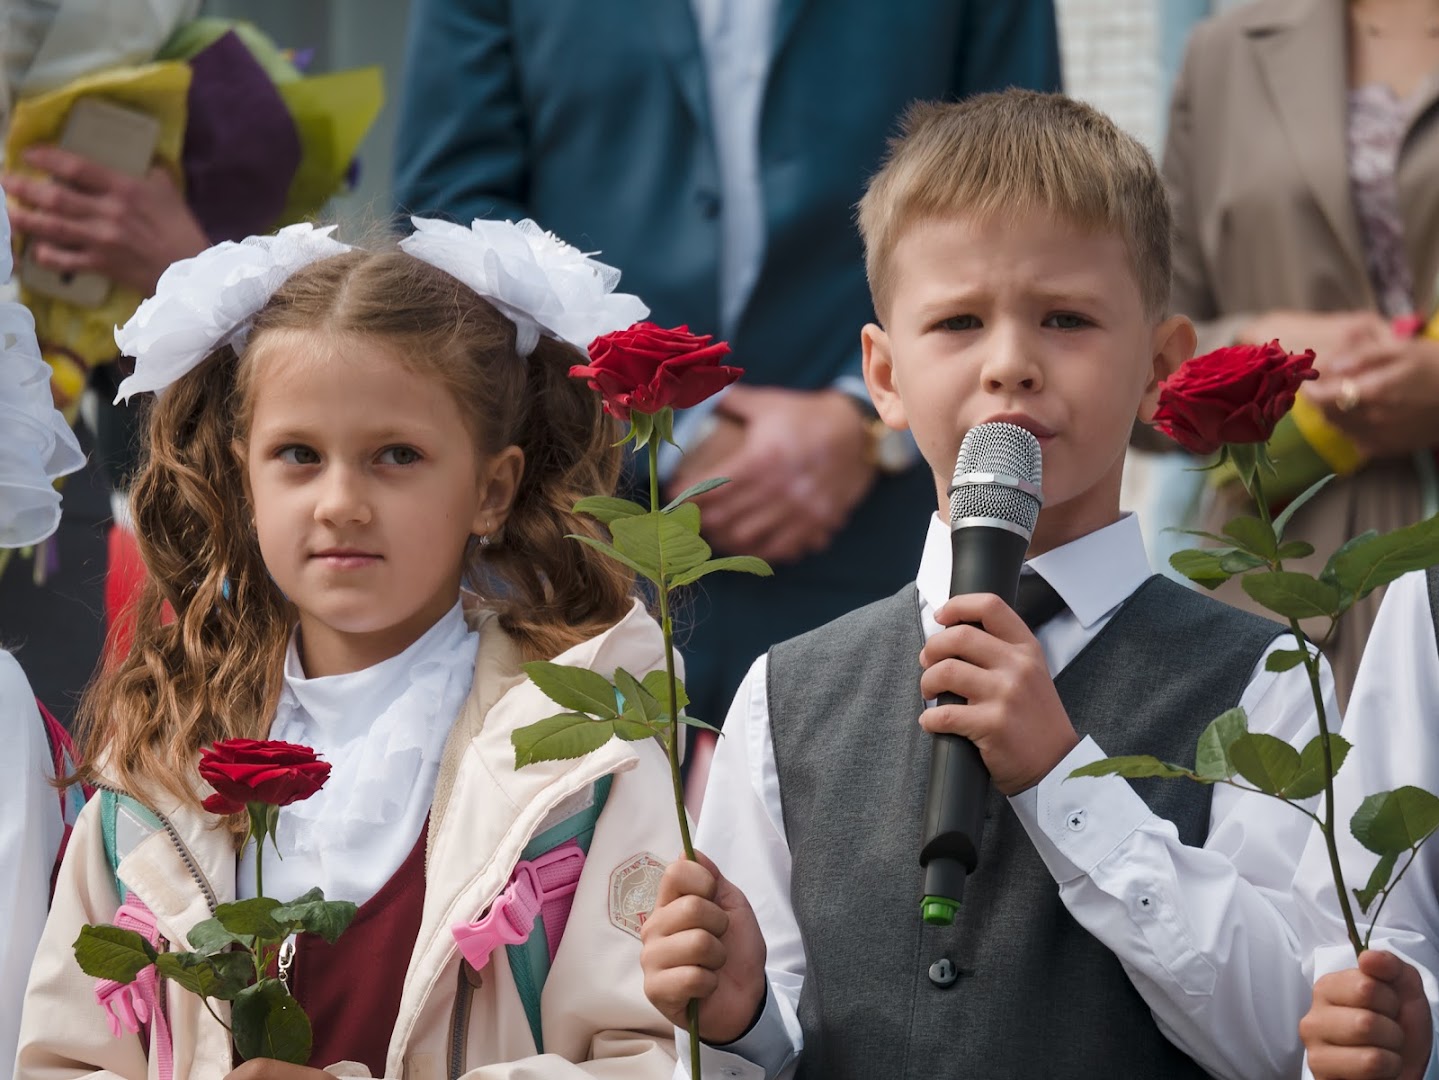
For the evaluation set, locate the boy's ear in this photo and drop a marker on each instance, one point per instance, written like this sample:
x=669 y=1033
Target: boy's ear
x=879 y=376
x=498 y=482
x=1174 y=342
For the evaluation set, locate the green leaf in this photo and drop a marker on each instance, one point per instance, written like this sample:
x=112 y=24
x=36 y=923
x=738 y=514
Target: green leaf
x=744 y=564
x=638 y=699
x=1238 y=562
x=211 y=937
x=1132 y=767
x=269 y=1023
x=1293 y=595
x=222 y=976
x=1253 y=535
x=1221 y=541
x=1211 y=754
x=1284 y=659
x=642 y=429
x=657 y=683
x=1378 y=560
x=107 y=952
x=696 y=490
x=1270 y=764
x=575 y=688
x=253 y=918
x=608 y=549
x=631 y=726
x=1391 y=822
x=1201 y=567
x=1296 y=549
x=559 y=738
x=1245 y=458
x=687 y=514
x=313 y=914
x=1310 y=781
x=607 y=508
x=694 y=721
x=660 y=543
x=1378 y=878
x=1282 y=521
x=665 y=425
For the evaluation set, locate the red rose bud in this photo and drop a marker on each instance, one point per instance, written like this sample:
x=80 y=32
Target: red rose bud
x=1231 y=395
x=244 y=771
x=648 y=368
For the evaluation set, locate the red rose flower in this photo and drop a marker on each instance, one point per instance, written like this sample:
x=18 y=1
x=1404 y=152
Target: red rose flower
x=646 y=368
x=246 y=771
x=1232 y=395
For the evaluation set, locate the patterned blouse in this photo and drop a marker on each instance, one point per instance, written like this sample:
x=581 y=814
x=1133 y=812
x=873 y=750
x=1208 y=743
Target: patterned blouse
x=1377 y=123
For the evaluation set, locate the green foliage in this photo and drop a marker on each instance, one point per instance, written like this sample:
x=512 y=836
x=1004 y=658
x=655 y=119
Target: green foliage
x=1284 y=659
x=606 y=508
x=1254 y=536
x=1378 y=879
x=107 y=952
x=656 y=682
x=1391 y=822
x=313 y=914
x=745 y=564
x=695 y=491
x=1296 y=549
x=1294 y=595
x=1211 y=754
x=268 y=1022
x=1310 y=781
x=1282 y=521
x=223 y=976
x=1132 y=767
x=578 y=689
x=1203 y=567
x=1372 y=561
x=1270 y=764
x=210 y=937
x=251 y=918
x=560 y=738
x=609 y=549
x=642 y=429
x=664 y=546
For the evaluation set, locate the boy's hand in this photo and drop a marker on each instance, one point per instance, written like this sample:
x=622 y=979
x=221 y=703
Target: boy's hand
x=1369 y=1023
x=702 y=941
x=1013 y=714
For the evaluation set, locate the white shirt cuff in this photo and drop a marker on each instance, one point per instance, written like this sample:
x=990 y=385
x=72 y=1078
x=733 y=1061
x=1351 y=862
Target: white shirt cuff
x=1075 y=824
x=759 y=1054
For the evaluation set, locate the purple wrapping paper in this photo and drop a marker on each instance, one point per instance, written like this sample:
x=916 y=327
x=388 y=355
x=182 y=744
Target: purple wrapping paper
x=241 y=149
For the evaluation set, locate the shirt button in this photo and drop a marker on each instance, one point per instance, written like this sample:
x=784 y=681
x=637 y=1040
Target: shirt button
x=943 y=973
x=1075 y=821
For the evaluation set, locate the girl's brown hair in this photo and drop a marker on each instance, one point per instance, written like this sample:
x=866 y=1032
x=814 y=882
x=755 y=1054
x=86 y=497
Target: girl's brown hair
x=215 y=671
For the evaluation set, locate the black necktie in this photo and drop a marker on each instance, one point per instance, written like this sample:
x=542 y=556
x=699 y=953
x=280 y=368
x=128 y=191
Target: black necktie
x=1037 y=602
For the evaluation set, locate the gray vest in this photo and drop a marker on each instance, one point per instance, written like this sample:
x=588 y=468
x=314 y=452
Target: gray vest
x=1037 y=996
x=1432 y=576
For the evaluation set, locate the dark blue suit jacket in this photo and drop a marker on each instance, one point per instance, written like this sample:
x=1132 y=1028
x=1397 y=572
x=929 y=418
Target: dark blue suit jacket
x=591 y=117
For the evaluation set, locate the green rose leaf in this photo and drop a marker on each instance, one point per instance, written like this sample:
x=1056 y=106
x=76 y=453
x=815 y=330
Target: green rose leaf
x=1378 y=878
x=559 y=738
x=268 y=1022
x=1253 y=535
x=1268 y=763
x=631 y=726
x=642 y=429
x=664 y=544
x=107 y=952
x=251 y=918
x=657 y=683
x=1132 y=767
x=693 y=721
x=313 y=914
x=1201 y=567
x=1237 y=562
x=638 y=699
x=1296 y=549
x=606 y=508
x=1293 y=595
x=665 y=426
x=211 y=937
x=1282 y=521
x=1390 y=822
x=1363 y=567
x=609 y=549
x=687 y=514
x=1284 y=659
x=222 y=976
x=1211 y=754
x=744 y=564
x=696 y=490
x=1310 y=781
x=575 y=688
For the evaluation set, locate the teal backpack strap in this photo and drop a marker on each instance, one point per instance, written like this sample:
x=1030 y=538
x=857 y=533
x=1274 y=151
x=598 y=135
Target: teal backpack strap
x=124 y=823
x=530 y=960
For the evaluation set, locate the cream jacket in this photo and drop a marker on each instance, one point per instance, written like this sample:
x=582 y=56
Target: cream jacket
x=593 y=1008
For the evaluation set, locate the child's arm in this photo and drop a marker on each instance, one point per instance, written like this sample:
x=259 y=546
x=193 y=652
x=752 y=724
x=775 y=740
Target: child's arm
x=1204 y=933
x=1369 y=1023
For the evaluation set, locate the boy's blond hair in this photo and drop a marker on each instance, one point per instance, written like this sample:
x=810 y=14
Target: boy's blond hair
x=1013 y=153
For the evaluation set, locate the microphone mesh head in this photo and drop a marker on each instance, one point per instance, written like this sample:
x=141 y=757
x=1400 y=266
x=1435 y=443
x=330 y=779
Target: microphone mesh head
x=994 y=460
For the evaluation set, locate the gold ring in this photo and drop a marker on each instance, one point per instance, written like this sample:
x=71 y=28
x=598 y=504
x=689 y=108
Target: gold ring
x=1348 y=398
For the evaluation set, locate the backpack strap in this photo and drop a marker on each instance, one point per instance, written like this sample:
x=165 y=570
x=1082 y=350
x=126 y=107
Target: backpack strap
x=124 y=824
x=64 y=761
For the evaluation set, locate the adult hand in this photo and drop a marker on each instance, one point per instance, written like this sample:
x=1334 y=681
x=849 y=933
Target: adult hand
x=85 y=217
x=1332 y=335
x=797 y=471
x=1369 y=1023
x=270 y=1069
x=1384 y=396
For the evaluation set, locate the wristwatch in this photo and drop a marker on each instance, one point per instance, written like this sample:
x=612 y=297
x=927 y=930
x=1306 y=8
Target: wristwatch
x=889 y=451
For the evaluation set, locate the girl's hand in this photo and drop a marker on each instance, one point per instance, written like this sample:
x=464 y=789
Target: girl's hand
x=1369 y=1023
x=270 y=1069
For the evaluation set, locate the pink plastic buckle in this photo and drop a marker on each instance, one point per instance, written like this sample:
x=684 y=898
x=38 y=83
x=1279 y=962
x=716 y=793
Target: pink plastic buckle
x=129 y=1006
x=544 y=885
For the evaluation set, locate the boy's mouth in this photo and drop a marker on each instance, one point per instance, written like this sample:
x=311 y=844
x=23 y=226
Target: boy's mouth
x=1024 y=420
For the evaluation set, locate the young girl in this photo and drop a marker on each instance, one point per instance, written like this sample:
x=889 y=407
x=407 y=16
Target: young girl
x=319 y=485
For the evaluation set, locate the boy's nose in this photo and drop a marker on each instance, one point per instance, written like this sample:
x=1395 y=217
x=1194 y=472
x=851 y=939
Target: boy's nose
x=1010 y=366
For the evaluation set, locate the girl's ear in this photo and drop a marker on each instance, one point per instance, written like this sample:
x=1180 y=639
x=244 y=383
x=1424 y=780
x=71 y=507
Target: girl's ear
x=499 y=480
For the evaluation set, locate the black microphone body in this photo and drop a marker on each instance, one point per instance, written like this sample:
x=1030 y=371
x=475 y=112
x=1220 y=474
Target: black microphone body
x=994 y=505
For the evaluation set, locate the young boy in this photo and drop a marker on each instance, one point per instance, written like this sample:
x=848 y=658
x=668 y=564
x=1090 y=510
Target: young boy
x=1018 y=254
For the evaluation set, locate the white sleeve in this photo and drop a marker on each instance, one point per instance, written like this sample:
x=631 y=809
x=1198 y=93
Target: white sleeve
x=741 y=827
x=30 y=830
x=1205 y=934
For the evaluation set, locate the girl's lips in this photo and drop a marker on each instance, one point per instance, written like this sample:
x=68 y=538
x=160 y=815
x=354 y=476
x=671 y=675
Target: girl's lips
x=346 y=560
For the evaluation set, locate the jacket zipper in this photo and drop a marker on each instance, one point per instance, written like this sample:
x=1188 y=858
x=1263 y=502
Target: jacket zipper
x=460 y=1020
x=211 y=901
x=285 y=962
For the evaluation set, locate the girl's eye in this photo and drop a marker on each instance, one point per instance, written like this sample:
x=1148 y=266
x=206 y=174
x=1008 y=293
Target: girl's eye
x=1066 y=320
x=960 y=322
x=298 y=455
x=399 y=455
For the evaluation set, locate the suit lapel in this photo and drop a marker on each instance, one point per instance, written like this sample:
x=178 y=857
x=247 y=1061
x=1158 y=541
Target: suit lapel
x=785 y=17
x=673 y=23
x=1299 y=58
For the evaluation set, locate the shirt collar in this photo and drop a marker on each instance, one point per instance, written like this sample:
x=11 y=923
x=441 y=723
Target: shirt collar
x=1093 y=574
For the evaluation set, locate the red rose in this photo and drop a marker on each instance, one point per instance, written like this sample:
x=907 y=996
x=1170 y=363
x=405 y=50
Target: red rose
x=258 y=771
x=647 y=368
x=1233 y=395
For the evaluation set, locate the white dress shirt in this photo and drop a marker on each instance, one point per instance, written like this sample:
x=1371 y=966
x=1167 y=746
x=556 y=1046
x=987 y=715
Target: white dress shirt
x=1205 y=934
x=1390 y=723
x=30 y=831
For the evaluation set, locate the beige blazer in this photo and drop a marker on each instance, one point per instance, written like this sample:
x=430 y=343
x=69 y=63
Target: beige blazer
x=1257 y=169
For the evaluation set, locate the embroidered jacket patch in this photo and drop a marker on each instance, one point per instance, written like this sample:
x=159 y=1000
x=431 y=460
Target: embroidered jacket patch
x=634 y=888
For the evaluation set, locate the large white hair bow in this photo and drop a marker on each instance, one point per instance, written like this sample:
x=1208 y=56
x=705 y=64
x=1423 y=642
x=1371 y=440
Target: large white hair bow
x=37 y=446
x=208 y=301
x=535 y=279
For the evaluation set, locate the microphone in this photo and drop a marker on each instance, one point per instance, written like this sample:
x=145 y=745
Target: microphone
x=994 y=502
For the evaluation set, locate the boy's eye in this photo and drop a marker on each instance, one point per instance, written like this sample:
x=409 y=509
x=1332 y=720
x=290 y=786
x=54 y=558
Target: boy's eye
x=1066 y=320
x=399 y=455
x=960 y=322
x=298 y=455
